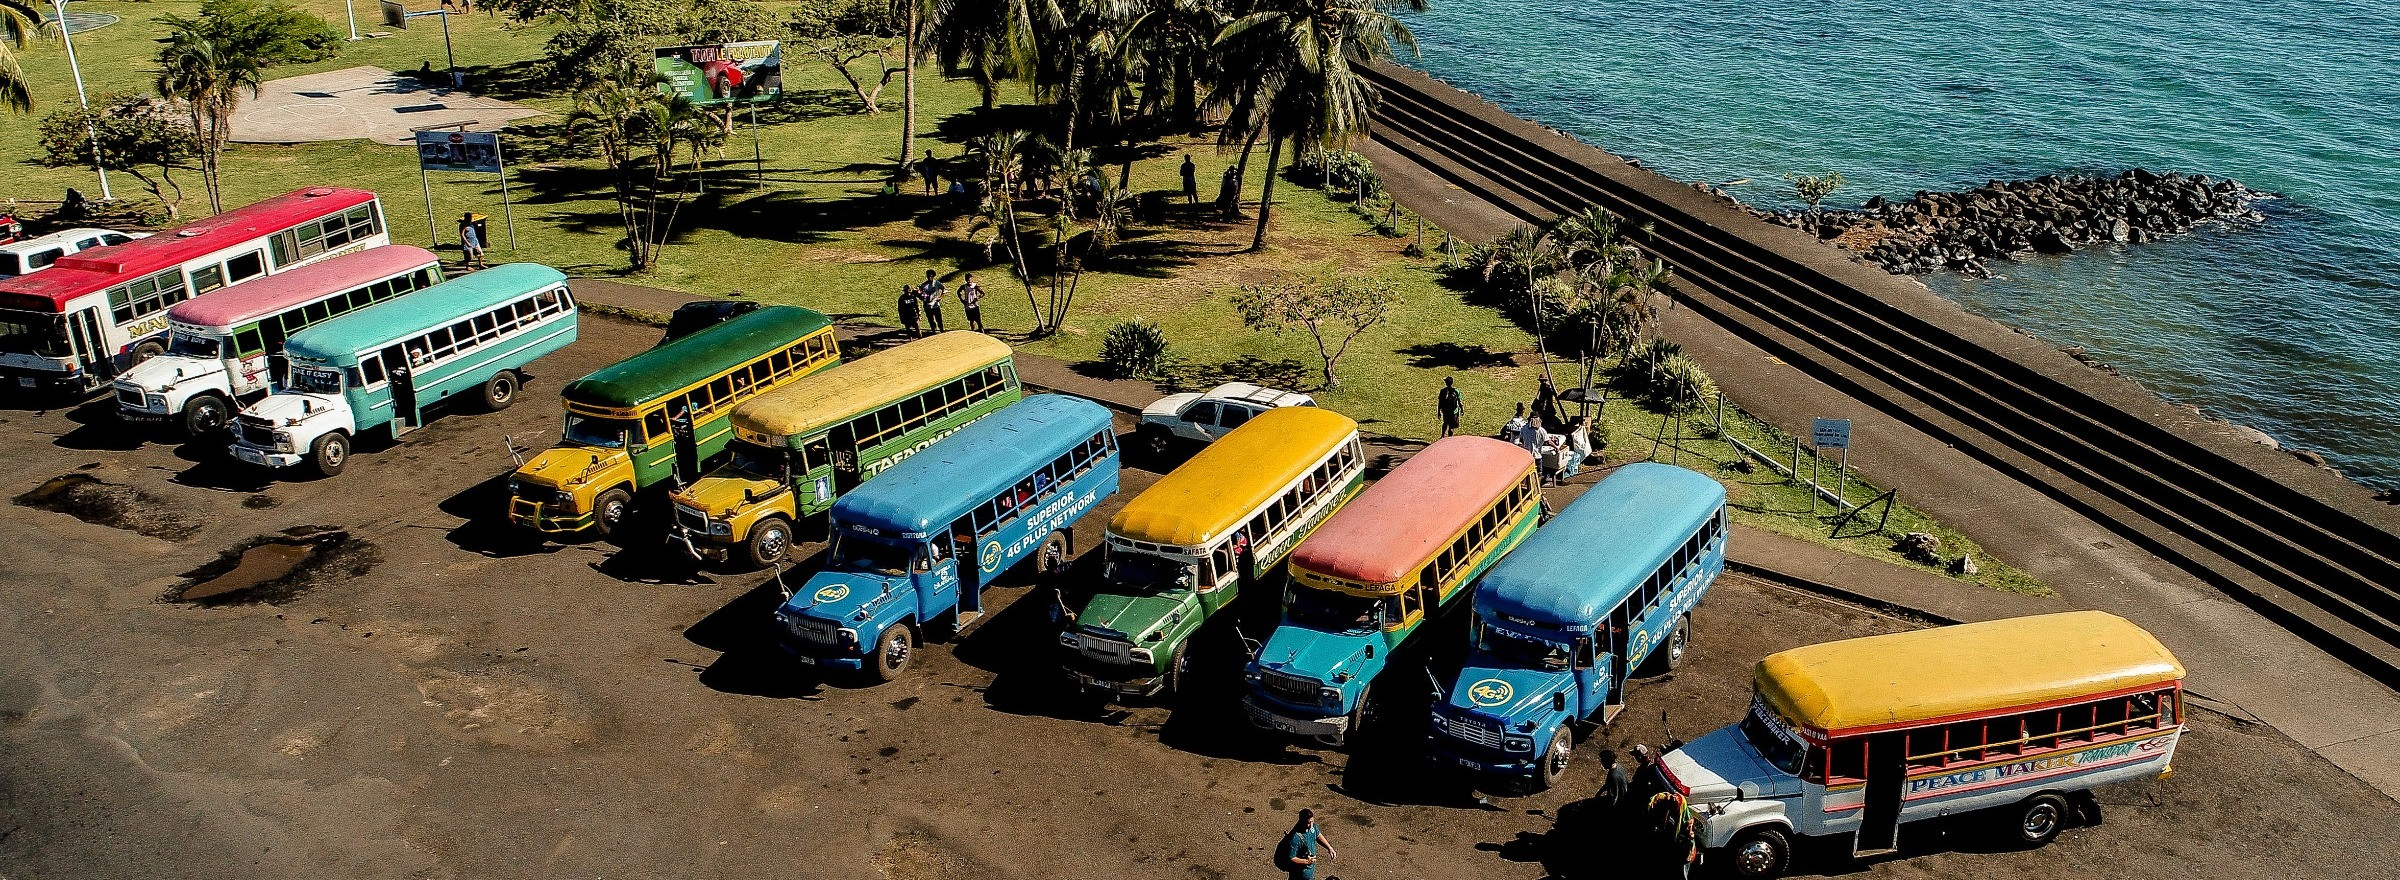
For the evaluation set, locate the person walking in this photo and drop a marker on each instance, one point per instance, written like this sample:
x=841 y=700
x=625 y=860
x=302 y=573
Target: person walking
x=931 y=293
x=1531 y=436
x=1191 y=181
x=1579 y=447
x=970 y=297
x=1615 y=788
x=1676 y=831
x=1451 y=407
x=1296 y=856
x=933 y=174
x=470 y=243
x=908 y=309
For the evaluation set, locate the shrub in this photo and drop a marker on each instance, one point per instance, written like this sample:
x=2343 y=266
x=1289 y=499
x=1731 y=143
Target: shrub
x=1341 y=172
x=1134 y=350
x=1664 y=379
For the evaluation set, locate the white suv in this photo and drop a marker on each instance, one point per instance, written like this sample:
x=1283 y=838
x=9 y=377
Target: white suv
x=35 y=254
x=1206 y=417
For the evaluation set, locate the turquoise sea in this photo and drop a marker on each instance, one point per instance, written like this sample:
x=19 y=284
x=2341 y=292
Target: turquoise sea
x=2292 y=326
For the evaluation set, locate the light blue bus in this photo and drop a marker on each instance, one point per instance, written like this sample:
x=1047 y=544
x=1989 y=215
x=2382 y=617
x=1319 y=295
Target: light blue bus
x=999 y=491
x=384 y=365
x=1605 y=588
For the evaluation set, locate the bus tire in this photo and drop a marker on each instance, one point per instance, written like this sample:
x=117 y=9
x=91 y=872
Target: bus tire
x=1552 y=766
x=146 y=351
x=610 y=510
x=1179 y=671
x=892 y=653
x=1052 y=558
x=2039 y=819
x=500 y=390
x=1759 y=853
x=770 y=541
x=206 y=415
x=330 y=454
x=1669 y=655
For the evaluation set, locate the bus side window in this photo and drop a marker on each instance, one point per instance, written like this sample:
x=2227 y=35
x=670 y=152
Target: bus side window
x=371 y=369
x=1586 y=657
x=1846 y=760
x=780 y=362
x=654 y=424
x=814 y=454
x=395 y=357
x=249 y=341
x=2003 y=736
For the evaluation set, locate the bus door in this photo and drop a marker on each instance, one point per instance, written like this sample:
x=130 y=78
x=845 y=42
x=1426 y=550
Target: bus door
x=1620 y=667
x=1593 y=685
x=405 y=416
x=90 y=351
x=1887 y=777
x=687 y=446
x=963 y=548
x=937 y=572
x=846 y=466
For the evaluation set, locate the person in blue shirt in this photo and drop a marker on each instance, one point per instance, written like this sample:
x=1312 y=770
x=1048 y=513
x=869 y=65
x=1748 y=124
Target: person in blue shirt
x=1297 y=854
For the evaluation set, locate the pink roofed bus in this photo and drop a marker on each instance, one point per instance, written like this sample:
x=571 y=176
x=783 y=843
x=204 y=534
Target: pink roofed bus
x=75 y=326
x=225 y=348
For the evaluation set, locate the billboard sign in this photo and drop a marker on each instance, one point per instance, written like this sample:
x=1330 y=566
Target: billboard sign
x=395 y=15
x=723 y=73
x=459 y=151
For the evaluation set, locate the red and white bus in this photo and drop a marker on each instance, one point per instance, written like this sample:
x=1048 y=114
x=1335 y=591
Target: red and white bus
x=228 y=346
x=76 y=325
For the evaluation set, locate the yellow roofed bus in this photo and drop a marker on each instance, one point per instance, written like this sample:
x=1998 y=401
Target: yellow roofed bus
x=1861 y=736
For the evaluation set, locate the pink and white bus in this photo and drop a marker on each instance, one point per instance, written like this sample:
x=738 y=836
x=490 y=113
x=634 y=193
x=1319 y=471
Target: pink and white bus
x=76 y=325
x=227 y=346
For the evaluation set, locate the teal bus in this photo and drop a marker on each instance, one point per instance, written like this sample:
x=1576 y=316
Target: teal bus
x=384 y=366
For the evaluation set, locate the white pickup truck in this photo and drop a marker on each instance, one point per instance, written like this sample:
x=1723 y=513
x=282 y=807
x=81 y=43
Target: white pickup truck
x=1203 y=418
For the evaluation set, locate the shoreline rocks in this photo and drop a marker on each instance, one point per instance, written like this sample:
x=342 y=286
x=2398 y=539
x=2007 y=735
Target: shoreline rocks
x=2052 y=214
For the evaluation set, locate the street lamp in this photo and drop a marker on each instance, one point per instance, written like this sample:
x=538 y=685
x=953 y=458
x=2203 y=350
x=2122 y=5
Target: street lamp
x=94 y=130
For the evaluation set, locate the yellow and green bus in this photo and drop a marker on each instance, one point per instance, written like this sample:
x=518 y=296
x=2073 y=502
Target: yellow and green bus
x=622 y=429
x=798 y=448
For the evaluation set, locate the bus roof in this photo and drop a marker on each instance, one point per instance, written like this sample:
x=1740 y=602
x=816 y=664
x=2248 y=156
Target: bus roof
x=829 y=397
x=1596 y=552
x=423 y=310
x=685 y=362
x=243 y=303
x=1931 y=675
x=102 y=268
x=1411 y=514
x=1217 y=489
x=933 y=488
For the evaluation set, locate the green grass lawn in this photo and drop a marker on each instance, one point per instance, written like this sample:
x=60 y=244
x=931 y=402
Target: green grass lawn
x=818 y=234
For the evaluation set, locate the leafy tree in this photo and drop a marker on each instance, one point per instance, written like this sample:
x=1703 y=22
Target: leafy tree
x=1307 y=52
x=18 y=23
x=638 y=131
x=1334 y=308
x=208 y=60
x=149 y=138
x=846 y=32
x=1814 y=189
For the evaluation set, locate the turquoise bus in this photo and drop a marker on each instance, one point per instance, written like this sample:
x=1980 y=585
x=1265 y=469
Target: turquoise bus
x=384 y=366
x=1000 y=491
x=1601 y=591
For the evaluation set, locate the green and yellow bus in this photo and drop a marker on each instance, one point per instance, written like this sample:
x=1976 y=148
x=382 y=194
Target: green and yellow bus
x=621 y=431
x=798 y=448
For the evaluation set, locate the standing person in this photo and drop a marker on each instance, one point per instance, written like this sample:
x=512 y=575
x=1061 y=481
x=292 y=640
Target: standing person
x=1579 y=447
x=1515 y=425
x=1531 y=436
x=1229 y=194
x=1297 y=854
x=1611 y=797
x=1545 y=407
x=1451 y=407
x=1191 y=180
x=908 y=309
x=931 y=293
x=1676 y=831
x=970 y=296
x=470 y=243
x=933 y=174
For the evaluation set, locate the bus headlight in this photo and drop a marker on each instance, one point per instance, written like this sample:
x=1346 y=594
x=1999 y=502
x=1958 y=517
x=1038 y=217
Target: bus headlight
x=847 y=636
x=1518 y=744
x=283 y=442
x=1070 y=640
x=1141 y=655
x=1330 y=698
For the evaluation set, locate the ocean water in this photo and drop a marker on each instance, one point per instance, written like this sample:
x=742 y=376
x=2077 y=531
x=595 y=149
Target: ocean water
x=2291 y=326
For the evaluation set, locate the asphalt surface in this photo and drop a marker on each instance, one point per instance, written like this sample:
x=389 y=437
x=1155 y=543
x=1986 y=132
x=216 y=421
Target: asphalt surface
x=476 y=706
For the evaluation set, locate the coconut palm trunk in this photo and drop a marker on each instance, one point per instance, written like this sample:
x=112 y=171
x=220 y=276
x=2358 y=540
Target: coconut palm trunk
x=1266 y=195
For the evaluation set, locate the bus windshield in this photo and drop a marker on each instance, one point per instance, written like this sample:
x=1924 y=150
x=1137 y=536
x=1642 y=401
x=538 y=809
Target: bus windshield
x=770 y=462
x=1142 y=572
x=595 y=431
x=197 y=345
x=1782 y=753
x=1523 y=652
x=37 y=335
x=318 y=380
x=1335 y=612
x=853 y=553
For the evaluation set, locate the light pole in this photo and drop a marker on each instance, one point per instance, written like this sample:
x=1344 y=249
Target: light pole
x=352 y=10
x=86 y=104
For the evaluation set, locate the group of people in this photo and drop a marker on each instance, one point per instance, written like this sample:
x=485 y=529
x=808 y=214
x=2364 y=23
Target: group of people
x=1560 y=444
x=920 y=305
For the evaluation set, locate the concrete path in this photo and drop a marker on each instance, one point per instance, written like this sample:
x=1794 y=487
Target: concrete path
x=368 y=103
x=2234 y=654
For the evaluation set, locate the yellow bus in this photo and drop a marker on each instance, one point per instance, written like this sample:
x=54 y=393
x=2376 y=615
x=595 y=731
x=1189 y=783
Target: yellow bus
x=1179 y=552
x=798 y=448
x=1859 y=736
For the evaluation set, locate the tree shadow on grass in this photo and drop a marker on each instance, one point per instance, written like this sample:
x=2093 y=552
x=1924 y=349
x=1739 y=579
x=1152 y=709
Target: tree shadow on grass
x=1286 y=373
x=1453 y=356
x=512 y=81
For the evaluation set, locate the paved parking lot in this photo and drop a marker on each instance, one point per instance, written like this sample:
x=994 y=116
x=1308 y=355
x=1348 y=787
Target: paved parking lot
x=474 y=706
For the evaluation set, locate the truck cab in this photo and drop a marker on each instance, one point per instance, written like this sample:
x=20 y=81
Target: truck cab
x=858 y=613
x=1311 y=677
x=308 y=420
x=1508 y=713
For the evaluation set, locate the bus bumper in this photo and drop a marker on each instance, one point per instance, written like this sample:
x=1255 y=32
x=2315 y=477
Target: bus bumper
x=24 y=381
x=1269 y=718
x=253 y=455
x=1446 y=753
x=821 y=661
x=540 y=517
x=705 y=552
x=1134 y=688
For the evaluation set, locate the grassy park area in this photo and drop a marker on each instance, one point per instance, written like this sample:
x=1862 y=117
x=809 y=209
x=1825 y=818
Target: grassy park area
x=818 y=232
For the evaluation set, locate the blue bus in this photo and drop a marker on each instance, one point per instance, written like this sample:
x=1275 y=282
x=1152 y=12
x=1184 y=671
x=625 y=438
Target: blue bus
x=382 y=366
x=1605 y=588
x=998 y=491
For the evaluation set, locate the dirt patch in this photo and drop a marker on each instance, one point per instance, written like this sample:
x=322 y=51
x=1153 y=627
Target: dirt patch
x=918 y=854
x=258 y=502
x=97 y=501
x=277 y=568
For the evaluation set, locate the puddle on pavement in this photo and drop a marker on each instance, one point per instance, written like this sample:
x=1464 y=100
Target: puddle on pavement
x=277 y=568
x=97 y=501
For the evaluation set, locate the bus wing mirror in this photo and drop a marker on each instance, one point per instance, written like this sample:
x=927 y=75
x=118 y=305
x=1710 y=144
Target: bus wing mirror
x=1558 y=701
x=1370 y=652
x=1749 y=789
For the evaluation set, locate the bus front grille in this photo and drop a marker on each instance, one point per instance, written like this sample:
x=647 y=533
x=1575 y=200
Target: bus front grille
x=1289 y=688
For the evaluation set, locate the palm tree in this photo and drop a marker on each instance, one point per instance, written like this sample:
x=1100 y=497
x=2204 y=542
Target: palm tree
x=18 y=23
x=1315 y=98
x=208 y=77
x=626 y=114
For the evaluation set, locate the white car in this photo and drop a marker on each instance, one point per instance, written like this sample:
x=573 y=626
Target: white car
x=1206 y=417
x=35 y=254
